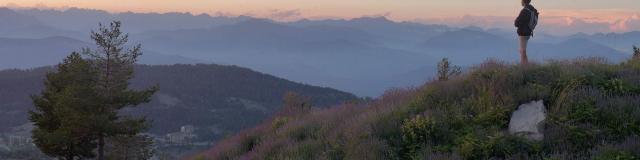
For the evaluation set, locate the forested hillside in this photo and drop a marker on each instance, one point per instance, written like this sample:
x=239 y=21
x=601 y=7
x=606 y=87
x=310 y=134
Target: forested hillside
x=592 y=112
x=219 y=100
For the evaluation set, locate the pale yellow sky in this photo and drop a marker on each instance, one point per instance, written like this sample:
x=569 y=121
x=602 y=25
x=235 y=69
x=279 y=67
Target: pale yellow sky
x=395 y=9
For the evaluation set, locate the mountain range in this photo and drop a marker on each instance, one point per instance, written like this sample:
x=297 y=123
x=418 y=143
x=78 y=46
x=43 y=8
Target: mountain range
x=223 y=74
x=364 y=55
x=29 y=53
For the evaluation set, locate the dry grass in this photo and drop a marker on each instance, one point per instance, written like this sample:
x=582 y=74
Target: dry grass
x=593 y=109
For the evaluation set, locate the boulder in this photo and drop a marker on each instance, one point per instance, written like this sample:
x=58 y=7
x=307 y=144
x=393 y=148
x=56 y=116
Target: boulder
x=528 y=120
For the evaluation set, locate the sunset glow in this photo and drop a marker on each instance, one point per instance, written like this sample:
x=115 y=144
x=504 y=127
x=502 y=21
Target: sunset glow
x=410 y=9
x=619 y=15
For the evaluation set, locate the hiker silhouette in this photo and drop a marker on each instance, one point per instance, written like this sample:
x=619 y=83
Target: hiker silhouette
x=526 y=22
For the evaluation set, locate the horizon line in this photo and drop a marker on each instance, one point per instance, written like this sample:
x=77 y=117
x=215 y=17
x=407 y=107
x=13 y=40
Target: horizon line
x=490 y=21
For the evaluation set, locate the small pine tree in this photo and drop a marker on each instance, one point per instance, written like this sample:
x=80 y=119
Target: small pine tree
x=636 y=52
x=113 y=63
x=446 y=70
x=294 y=104
x=63 y=109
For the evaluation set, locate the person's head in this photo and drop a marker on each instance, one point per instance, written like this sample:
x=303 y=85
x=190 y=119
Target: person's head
x=526 y=2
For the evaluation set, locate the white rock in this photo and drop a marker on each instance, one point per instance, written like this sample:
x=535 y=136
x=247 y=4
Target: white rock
x=528 y=120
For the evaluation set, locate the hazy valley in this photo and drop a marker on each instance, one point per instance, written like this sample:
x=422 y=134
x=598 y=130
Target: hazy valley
x=332 y=53
x=225 y=84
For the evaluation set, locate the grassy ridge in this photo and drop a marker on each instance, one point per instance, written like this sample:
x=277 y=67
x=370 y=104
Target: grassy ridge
x=593 y=113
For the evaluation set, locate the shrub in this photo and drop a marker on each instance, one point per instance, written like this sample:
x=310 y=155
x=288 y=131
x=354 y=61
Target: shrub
x=446 y=70
x=616 y=86
x=494 y=117
x=301 y=150
x=581 y=138
x=416 y=133
x=302 y=132
x=279 y=122
x=636 y=53
x=612 y=154
x=498 y=146
x=248 y=143
x=294 y=105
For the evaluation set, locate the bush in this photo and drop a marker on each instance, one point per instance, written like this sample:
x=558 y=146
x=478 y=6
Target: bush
x=416 y=133
x=279 y=122
x=616 y=86
x=636 y=53
x=498 y=146
x=303 y=132
x=446 y=70
x=612 y=154
x=302 y=150
x=248 y=143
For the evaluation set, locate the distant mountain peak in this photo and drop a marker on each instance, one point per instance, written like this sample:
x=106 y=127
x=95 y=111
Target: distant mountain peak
x=9 y=18
x=62 y=38
x=376 y=19
x=76 y=9
x=258 y=23
x=470 y=31
x=473 y=28
x=4 y=11
x=581 y=42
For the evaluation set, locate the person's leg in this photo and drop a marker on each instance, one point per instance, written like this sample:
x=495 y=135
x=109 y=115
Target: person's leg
x=524 y=40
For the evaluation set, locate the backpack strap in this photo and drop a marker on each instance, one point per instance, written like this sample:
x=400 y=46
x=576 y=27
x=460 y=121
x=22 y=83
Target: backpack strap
x=533 y=15
x=530 y=11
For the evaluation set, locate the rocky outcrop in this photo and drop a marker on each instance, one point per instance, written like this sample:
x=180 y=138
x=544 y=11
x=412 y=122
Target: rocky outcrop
x=528 y=120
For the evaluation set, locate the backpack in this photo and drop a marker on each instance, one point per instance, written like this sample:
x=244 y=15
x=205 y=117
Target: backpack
x=533 y=20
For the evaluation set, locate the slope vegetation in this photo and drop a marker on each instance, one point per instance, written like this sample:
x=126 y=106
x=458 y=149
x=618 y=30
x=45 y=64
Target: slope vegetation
x=592 y=106
x=219 y=100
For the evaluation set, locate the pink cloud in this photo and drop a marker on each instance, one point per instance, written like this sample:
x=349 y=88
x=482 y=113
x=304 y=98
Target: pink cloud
x=627 y=24
x=284 y=15
x=555 y=22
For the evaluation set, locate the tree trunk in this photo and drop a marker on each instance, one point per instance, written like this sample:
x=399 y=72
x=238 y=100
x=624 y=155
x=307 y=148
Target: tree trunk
x=101 y=147
x=69 y=155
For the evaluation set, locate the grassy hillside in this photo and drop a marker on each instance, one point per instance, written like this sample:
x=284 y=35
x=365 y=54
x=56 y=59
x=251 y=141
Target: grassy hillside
x=593 y=112
x=217 y=99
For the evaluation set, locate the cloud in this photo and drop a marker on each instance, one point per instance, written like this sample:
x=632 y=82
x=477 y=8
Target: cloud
x=570 y=25
x=385 y=14
x=627 y=24
x=558 y=25
x=591 y=21
x=559 y=22
x=284 y=15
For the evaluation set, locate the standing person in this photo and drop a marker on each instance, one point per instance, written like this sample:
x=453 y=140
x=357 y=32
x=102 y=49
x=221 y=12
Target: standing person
x=526 y=23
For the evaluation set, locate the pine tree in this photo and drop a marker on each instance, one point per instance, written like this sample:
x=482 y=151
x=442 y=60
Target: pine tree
x=114 y=66
x=62 y=110
x=136 y=147
x=446 y=70
x=636 y=52
x=79 y=107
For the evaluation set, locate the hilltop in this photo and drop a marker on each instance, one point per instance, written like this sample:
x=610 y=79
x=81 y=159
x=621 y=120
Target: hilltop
x=592 y=113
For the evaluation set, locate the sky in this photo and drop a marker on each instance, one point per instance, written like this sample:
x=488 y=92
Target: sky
x=614 y=14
